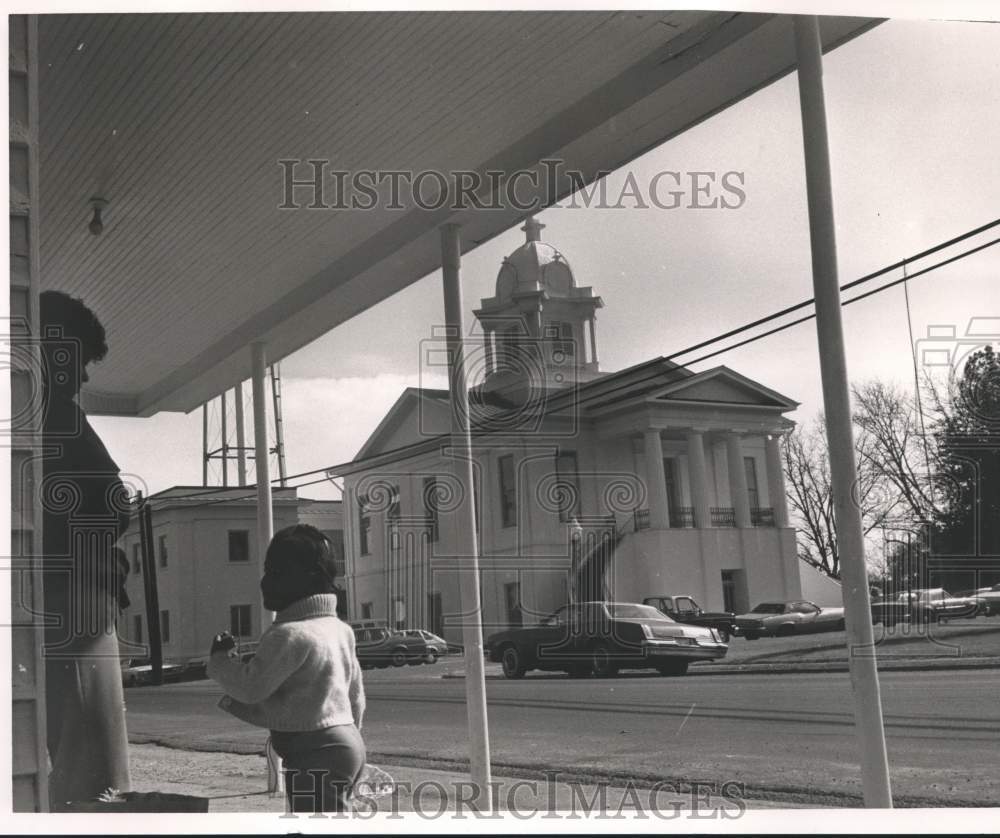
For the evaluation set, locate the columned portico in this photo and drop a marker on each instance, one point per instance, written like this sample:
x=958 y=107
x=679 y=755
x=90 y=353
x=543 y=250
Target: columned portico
x=776 y=479
x=699 y=478
x=656 y=480
x=739 y=495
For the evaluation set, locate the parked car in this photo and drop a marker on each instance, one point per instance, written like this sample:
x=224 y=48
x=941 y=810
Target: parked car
x=379 y=646
x=780 y=619
x=683 y=609
x=923 y=606
x=599 y=638
x=436 y=646
x=988 y=599
x=137 y=672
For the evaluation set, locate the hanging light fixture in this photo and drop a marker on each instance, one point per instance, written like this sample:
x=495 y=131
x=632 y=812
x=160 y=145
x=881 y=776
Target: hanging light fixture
x=96 y=226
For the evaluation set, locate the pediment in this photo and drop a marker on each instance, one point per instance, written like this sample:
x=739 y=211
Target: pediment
x=722 y=385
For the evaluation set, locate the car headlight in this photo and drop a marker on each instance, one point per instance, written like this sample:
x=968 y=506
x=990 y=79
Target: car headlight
x=646 y=630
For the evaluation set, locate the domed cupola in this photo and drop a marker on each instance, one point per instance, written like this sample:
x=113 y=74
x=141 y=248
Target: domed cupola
x=539 y=328
x=535 y=266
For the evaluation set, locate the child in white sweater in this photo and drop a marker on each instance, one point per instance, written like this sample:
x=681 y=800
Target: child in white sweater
x=304 y=683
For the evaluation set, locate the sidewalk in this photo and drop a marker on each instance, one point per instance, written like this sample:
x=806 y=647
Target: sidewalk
x=237 y=783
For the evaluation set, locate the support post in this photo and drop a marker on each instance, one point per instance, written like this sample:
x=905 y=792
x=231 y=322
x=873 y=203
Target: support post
x=656 y=480
x=150 y=589
x=279 y=432
x=241 y=442
x=204 y=444
x=593 y=339
x=467 y=546
x=699 y=479
x=265 y=516
x=739 y=495
x=837 y=404
x=225 y=443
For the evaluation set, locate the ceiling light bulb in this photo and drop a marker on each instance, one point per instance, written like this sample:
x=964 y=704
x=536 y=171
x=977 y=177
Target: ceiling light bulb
x=96 y=226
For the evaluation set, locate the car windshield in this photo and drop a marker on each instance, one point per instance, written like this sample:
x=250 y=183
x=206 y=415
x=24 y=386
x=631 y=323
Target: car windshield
x=770 y=608
x=628 y=611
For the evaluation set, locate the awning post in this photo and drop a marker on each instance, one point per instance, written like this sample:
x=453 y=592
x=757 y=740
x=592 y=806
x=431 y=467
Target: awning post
x=466 y=546
x=265 y=516
x=837 y=404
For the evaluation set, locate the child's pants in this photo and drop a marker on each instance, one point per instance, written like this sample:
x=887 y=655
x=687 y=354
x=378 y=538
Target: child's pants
x=320 y=766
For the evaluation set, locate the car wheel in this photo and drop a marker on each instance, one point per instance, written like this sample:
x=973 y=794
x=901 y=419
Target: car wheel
x=673 y=668
x=398 y=658
x=512 y=663
x=601 y=662
x=431 y=656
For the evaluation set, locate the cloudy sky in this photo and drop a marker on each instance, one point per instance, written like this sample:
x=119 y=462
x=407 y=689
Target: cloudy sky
x=913 y=132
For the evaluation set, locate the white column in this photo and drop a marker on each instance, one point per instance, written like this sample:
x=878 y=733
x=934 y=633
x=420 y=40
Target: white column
x=656 y=481
x=265 y=514
x=837 y=404
x=241 y=454
x=225 y=442
x=699 y=479
x=738 y=493
x=593 y=339
x=776 y=480
x=204 y=444
x=467 y=546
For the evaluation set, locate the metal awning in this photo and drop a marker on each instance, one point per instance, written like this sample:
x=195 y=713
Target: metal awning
x=179 y=121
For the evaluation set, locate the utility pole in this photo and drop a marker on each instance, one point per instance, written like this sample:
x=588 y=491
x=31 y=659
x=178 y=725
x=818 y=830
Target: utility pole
x=837 y=403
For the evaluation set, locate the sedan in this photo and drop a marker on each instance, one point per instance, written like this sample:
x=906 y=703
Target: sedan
x=436 y=646
x=780 y=619
x=599 y=638
x=988 y=600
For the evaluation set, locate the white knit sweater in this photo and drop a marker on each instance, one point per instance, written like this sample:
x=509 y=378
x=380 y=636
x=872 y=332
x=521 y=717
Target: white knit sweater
x=305 y=675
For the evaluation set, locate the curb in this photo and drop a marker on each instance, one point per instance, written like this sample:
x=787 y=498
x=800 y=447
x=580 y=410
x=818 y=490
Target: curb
x=806 y=666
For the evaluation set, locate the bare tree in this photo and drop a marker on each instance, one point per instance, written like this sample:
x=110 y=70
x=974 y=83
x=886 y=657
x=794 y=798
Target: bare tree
x=892 y=469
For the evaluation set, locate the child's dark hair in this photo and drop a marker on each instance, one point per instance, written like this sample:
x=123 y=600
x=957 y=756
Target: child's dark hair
x=305 y=546
x=75 y=321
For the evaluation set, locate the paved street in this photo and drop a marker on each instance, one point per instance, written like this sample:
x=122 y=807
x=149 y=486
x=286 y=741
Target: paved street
x=786 y=736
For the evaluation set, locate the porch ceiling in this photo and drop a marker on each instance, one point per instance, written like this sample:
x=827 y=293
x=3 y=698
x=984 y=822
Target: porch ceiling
x=179 y=121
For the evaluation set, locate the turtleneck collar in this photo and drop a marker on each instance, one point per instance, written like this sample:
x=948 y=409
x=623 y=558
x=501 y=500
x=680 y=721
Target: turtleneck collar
x=317 y=605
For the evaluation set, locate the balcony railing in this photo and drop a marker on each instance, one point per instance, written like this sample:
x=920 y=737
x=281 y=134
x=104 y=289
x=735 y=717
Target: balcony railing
x=762 y=516
x=723 y=516
x=681 y=517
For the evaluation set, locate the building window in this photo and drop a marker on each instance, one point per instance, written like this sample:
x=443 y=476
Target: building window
x=364 y=525
x=163 y=551
x=430 y=507
x=508 y=491
x=750 y=465
x=568 y=486
x=336 y=539
x=239 y=621
x=366 y=611
x=512 y=598
x=137 y=557
x=561 y=342
x=239 y=545
x=673 y=493
x=137 y=628
x=164 y=626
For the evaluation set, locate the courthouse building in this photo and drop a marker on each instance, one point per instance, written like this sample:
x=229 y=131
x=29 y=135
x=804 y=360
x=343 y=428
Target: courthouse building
x=681 y=471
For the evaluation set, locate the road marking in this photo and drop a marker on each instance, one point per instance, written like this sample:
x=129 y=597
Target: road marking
x=684 y=720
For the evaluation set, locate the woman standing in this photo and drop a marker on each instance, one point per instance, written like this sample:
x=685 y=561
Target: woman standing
x=85 y=510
